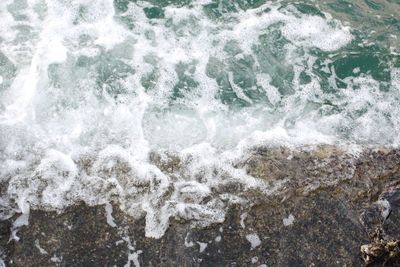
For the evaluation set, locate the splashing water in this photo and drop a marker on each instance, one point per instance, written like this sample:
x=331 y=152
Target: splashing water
x=93 y=93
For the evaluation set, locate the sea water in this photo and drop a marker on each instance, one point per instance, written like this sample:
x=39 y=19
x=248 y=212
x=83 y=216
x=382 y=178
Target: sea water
x=90 y=91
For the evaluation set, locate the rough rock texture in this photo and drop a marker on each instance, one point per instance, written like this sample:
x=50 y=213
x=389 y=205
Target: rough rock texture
x=328 y=203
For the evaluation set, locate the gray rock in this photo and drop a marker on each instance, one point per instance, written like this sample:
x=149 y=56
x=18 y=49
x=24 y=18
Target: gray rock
x=327 y=205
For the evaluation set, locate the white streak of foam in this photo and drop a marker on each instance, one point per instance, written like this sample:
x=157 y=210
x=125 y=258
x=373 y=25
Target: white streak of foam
x=187 y=243
x=56 y=259
x=41 y=250
x=303 y=133
x=110 y=219
x=202 y=246
x=237 y=89
x=22 y=220
x=242 y=219
x=133 y=256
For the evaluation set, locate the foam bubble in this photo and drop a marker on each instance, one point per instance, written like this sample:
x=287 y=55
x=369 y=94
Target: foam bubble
x=289 y=220
x=254 y=240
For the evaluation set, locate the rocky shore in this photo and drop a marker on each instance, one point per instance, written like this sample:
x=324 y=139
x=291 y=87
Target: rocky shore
x=330 y=207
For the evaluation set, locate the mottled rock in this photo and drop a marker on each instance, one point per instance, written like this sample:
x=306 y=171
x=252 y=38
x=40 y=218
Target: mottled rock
x=326 y=205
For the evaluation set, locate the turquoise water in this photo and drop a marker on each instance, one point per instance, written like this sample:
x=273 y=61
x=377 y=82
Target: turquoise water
x=89 y=89
x=331 y=65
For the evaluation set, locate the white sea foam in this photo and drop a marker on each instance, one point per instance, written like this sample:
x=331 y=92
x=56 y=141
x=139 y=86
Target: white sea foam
x=254 y=240
x=93 y=95
x=289 y=220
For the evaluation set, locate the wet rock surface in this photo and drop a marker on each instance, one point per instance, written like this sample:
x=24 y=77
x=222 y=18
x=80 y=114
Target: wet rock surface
x=328 y=203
